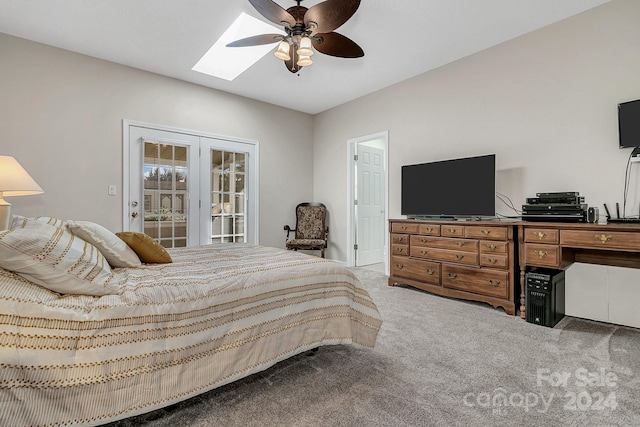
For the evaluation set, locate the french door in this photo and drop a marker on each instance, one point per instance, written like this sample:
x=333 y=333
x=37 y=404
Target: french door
x=185 y=189
x=224 y=169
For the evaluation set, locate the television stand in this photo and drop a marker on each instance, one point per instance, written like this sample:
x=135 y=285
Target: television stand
x=473 y=260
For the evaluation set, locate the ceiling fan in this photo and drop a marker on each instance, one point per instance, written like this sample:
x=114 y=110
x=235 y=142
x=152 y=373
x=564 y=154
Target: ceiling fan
x=306 y=29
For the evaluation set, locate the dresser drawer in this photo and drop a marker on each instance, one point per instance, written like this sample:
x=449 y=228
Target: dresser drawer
x=495 y=233
x=493 y=247
x=484 y=281
x=452 y=231
x=600 y=239
x=404 y=227
x=400 y=250
x=542 y=255
x=429 y=229
x=420 y=240
x=423 y=271
x=541 y=235
x=494 y=260
x=465 y=245
x=445 y=255
x=399 y=239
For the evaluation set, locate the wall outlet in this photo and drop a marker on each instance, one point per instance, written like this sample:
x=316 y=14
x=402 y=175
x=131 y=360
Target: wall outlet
x=112 y=190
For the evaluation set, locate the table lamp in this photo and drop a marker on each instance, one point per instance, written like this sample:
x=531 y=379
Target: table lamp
x=14 y=181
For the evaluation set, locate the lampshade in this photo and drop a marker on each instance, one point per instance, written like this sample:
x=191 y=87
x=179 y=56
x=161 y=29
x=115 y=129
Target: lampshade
x=14 y=181
x=283 y=51
x=305 y=47
x=304 y=61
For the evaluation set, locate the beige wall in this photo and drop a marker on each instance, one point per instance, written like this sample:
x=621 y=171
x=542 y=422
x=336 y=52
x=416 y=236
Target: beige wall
x=544 y=103
x=62 y=113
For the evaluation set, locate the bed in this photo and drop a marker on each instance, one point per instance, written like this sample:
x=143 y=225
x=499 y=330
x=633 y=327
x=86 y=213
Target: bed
x=215 y=314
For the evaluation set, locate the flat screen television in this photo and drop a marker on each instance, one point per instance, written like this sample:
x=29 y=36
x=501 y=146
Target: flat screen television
x=629 y=124
x=458 y=188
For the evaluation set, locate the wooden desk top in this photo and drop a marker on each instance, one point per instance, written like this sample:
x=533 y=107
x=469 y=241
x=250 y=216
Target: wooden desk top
x=631 y=227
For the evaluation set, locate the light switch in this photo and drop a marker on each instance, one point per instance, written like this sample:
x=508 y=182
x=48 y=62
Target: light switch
x=112 y=190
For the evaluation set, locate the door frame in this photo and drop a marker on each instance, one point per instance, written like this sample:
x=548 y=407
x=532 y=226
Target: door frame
x=351 y=212
x=254 y=225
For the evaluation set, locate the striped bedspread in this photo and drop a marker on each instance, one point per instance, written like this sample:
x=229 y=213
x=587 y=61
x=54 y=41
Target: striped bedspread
x=216 y=314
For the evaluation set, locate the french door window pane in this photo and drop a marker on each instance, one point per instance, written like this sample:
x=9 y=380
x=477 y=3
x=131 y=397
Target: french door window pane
x=228 y=197
x=166 y=175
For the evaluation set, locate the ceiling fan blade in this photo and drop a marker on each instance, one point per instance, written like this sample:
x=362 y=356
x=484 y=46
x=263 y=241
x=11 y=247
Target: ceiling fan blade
x=329 y=15
x=335 y=44
x=256 y=40
x=273 y=12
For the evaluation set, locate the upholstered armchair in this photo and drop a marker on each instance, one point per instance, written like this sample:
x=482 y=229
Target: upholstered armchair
x=311 y=232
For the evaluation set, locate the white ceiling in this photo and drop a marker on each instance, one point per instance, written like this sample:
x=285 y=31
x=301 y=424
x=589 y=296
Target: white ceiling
x=401 y=39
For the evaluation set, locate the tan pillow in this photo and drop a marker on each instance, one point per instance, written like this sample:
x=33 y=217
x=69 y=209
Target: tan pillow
x=54 y=258
x=148 y=250
x=117 y=252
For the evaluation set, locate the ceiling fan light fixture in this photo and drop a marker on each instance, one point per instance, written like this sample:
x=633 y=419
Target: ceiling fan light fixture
x=304 y=61
x=304 y=48
x=305 y=29
x=282 y=52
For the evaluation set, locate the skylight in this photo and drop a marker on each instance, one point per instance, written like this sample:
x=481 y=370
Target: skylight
x=229 y=62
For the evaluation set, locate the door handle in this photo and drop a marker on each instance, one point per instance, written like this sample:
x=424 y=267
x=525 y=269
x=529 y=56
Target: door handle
x=134 y=214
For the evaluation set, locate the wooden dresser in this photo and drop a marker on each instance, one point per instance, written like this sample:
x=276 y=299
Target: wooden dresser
x=472 y=260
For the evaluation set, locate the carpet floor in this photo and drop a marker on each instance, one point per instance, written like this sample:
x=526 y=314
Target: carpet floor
x=437 y=362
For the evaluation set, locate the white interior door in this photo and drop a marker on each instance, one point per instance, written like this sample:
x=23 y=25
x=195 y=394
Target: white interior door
x=370 y=206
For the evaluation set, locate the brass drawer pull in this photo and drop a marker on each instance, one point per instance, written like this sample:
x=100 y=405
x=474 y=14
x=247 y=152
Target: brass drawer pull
x=602 y=238
x=540 y=235
x=494 y=282
x=424 y=240
x=460 y=244
x=486 y=232
x=431 y=271
x=459 y=257
x=399 y=249
x=491 y=247
x=430 y=230
x=492 y=260
x=400 y=239
x=403 y=227
x=452 y=275
x=541 y=254
x=399 y=266
x=423 y=252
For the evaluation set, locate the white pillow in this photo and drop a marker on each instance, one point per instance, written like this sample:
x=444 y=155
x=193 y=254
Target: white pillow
x=117 y=252
x=21 y=221
x=56 y=259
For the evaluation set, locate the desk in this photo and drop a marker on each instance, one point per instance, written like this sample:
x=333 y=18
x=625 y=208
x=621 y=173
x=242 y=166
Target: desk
x=558 y=245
